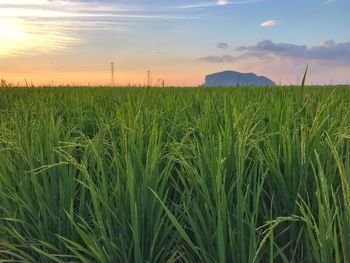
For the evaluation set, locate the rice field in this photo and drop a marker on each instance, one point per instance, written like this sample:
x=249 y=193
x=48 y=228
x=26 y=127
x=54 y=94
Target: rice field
x=175 y=175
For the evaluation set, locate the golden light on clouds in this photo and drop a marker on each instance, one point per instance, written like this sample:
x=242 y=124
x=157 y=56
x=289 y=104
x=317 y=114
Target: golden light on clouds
x=11 y=35
x=31 y=27
x=19 y=36
x=40 y=26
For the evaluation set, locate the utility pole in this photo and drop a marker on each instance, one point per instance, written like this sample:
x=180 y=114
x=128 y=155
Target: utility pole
x=112 y=74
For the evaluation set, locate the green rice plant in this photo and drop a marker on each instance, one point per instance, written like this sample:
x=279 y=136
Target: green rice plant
x=174 y=175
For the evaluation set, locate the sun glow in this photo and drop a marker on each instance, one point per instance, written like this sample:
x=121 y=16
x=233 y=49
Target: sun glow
x=18 y=36
x=11 y=35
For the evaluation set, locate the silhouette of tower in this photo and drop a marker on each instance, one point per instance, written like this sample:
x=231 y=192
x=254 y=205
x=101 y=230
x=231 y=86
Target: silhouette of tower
x=112 y=74
x=149 y=78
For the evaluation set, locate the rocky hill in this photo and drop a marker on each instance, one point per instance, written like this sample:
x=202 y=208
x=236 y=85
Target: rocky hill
x=234 y=79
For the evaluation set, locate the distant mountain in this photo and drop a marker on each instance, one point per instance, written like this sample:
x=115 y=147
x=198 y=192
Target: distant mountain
x=234 y=78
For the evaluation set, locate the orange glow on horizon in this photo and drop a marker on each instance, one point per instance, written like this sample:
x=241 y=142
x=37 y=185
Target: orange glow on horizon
x=101 y=79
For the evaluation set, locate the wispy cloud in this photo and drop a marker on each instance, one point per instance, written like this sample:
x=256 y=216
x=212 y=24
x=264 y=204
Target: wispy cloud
x=76 y=9
x=196 y=6
x=222 y=45
x=217 y=3
x=43 y=26
x=269 y=23
x=19 y=37
x=218 y=59
x=329 y=1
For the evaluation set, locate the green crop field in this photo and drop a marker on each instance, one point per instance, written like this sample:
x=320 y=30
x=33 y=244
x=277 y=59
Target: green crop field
x=175 y=175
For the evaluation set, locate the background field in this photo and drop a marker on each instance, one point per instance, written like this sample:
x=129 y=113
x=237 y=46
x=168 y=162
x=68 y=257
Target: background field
x=177 y=175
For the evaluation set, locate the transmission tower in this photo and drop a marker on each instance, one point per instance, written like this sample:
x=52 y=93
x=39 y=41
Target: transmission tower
x=148 y=78
x=112 y=74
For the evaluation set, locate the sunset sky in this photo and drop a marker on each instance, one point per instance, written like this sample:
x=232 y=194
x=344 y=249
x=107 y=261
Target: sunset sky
x=74 y=42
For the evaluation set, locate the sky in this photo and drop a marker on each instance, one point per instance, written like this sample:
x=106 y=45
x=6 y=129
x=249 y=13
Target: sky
x=179 y=41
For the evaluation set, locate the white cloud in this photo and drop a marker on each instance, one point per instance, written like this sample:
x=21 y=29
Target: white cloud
x=217 y=3
x=222 y=2
x=329 y=1
x=269 y=23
